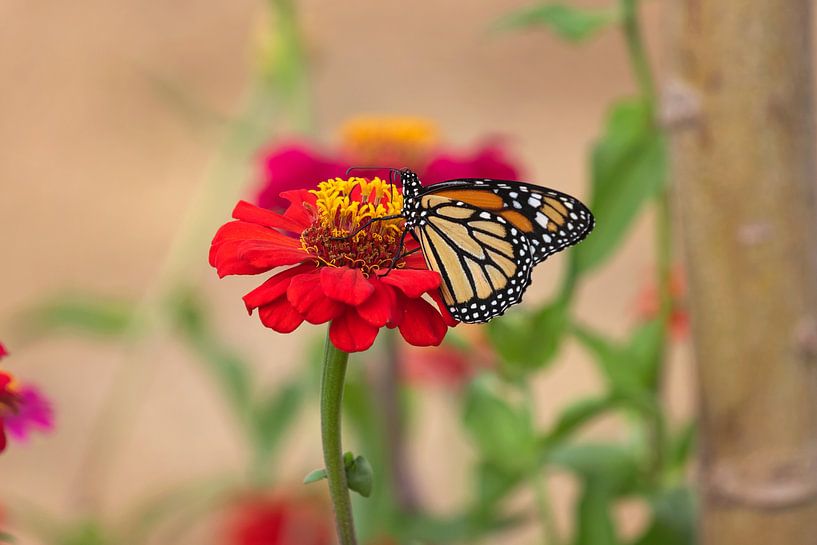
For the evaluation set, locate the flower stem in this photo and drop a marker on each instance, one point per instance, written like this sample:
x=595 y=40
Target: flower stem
x=334 y=373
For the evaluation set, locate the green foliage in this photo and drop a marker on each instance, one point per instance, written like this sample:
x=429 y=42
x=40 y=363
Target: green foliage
x=503 y=433
x=673 y=519
x=7 y=538
x=617 y=466
x=628 y=168
x=594 y=522
x=85 y=314
x=359 y=474
x=528 y=341
x=568 y=22
x=577 y=414
x=273 y=416
x=86 y=533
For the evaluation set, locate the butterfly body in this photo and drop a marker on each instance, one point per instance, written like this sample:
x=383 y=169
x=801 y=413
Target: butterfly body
x=484 y=237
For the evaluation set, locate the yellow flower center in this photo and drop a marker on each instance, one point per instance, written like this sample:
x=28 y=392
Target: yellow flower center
x=389 y=141
x=342 y=207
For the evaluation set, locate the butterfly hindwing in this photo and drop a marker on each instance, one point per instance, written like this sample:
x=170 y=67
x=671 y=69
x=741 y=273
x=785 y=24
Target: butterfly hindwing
x=484 y=261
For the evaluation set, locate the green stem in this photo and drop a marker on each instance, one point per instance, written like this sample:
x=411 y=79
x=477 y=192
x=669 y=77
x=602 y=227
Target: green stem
x=544 y=509
x=631 y=26
x=334 y=373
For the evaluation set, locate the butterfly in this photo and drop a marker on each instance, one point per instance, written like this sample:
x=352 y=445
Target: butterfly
x=484 y=236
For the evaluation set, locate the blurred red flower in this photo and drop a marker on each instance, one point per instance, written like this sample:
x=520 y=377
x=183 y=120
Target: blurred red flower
x=337 y=281
x=279 y=520
x=648 y=304
x=378 y=141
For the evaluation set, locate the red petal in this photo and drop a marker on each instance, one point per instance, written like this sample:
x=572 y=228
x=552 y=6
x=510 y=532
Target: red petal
x=412 y=282
x=447 y=318
x=351 y=333
x=246 y=248
x=346 y=285
x=261 y=216
x=274 y=287
x=381 y=308
x=420 y=324
x=306 y=296
x=280 y=315
x=2 y=436
x=296 y=212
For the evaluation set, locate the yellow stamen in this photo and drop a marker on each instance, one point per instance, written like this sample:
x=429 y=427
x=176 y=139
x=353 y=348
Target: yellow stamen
x=343 y=206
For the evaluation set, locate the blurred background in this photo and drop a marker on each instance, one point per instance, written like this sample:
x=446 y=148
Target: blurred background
x=125 y=123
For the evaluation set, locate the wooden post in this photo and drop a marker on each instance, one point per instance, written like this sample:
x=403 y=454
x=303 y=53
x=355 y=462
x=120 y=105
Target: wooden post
x=739 y=109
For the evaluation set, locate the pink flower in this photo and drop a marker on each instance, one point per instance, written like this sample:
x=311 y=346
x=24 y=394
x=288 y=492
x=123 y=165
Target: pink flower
x=279 y=519
x=487 y=161
x=33 y=412
x=293 y=166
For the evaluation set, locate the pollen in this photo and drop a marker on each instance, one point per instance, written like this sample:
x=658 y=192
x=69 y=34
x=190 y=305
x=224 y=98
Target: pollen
x=401 y=141
x=343 y=232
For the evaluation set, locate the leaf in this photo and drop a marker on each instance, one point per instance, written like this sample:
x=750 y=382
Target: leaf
x=570 y=23
x=360 y=476
x=7 y=538
x=673 y=519
x=631 y=368
x=493 y=483
x=611 y=463
x=594 y=522
x=229 y=369
x=315 y=475
x=628 y=167
x=91 y=314
x=578 y=414
x=272 y=418
x=528 y=341
x=503 y=434
x=682 y=445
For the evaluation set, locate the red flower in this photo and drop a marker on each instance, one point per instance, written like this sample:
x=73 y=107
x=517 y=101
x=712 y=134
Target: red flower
x=21 y=408
x=329 y=280
x=293 y=166
x=280 y=520
x=648 y=305
x=3 y=351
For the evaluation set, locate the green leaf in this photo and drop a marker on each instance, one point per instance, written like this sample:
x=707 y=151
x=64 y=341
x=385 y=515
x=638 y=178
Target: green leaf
x=594 y=524
x=89 y=314
x=272 y=418
x=628 y=167
x=616 y=465
x=578 y=414
x=493 y=483
x=86 y=533
x=359 y=476
x=315 y=475
x=227 y=367
x=570 y=23
x=630 y=368
x=673 y=519
x=7 y=538
x=682 y=445
x=503 y=433
x=528 y=341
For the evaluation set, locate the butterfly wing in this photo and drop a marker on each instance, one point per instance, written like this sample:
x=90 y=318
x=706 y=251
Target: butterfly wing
x=484 y=261
x=550 y=219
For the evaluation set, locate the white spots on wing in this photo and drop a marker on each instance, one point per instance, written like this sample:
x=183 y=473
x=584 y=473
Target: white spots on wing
x=517 y=205
x=573 y=216
x=485 y=215
x=542 y=220
x=534 y=201
x=513 y=195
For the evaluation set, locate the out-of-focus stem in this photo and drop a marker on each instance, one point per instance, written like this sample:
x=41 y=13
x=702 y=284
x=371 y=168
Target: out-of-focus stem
x=334 y=374
x=394 y=427
x=544 y=509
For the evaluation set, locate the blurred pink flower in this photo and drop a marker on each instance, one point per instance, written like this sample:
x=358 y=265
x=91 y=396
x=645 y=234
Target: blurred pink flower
x=3 y=351
x=377 y=141
x=293 y=166
x=446 y=365
x=487 y=161
x=33 y=412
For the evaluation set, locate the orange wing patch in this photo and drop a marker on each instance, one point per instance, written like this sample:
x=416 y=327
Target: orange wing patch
x=474 y=197
x=555 y=203
x=520 y=222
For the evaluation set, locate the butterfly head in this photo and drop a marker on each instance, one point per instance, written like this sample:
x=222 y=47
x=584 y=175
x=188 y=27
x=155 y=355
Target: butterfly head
x=411 y=183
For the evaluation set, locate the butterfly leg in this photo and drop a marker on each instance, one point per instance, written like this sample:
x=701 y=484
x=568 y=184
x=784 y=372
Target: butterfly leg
x=365 y=225
x=399 y=254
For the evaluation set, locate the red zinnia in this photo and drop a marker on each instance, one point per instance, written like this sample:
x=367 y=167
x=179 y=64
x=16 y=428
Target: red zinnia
x=280 y=520
x=345 y=282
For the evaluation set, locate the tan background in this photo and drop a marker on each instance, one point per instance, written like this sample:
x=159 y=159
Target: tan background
x=98 y=164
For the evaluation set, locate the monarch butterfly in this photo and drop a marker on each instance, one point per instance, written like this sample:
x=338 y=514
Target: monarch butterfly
x=484 y=236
